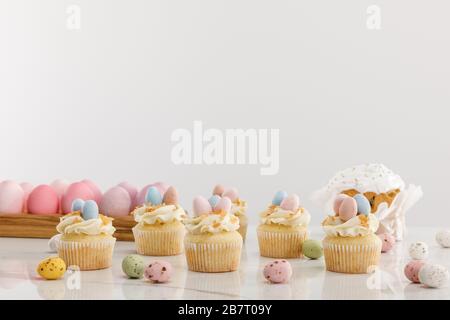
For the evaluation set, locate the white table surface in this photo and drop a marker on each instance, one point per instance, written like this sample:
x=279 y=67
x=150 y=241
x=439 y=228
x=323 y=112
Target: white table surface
x=19 y=259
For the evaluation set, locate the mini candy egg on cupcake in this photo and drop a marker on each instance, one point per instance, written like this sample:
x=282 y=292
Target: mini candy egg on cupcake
x=77 y=190
x=347 y=207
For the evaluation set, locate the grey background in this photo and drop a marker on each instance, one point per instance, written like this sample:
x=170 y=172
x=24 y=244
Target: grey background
x=102 y=102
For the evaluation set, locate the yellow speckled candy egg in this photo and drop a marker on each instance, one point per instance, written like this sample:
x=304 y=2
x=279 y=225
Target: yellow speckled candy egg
x=51 y=268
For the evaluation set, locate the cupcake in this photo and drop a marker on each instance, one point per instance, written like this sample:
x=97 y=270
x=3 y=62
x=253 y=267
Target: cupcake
x=351 y=245
x=213 y=243
x=159 y=230
x=86 y=237
x=238 y=206
x=283 y=227
x=389 y=197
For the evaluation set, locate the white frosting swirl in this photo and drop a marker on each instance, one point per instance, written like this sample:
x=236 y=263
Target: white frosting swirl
x=366 y=178
x=212 y=223
x=75 y=224
x=357 y=226
x=239 y=208
x=277 y=215
x=147 y=214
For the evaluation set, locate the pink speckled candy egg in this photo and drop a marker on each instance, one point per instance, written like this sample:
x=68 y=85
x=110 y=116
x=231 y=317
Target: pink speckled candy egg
x=218 y=190
x=201 y=206
x=387 y=241
x=27 y=188
x=43 y=200
x=158 y=272
x=223 y=204
x=412 y=270
x=11 y=197
x=290 y=203
x=231 y=193
x=77 y=190
x=348 y=209
x=116 y=202
x=95 y=190
x=132 y=191
x=278 y=271
x=338 y=202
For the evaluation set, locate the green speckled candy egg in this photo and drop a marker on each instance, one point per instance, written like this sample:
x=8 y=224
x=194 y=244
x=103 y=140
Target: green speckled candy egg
x=133 y=266
x=313 y=249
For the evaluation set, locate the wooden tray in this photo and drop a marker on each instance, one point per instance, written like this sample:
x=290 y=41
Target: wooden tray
x=44 y=226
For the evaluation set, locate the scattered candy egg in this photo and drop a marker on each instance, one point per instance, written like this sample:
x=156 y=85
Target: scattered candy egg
x=53 y=243
x=312 y=249
x=95 y=190
x=218 y=190
x=387 y=242
x=443 y=238
x=153 y=196
x=43 y=200
x=224 y=204
x=11 y=197
x=278 y=271
x=159 y=271
x=348 y=209
x=418 y=251
x=214 y=200
x=90 y=210
x=434 y=275
x=132 y=191
x=363 y=204
x=77 y=205
x=201 y=206
x=133 y=266
x=338 y=201
x=116 y=202
x=171 y=196
x=412 y=270
x=77 y=190
x=279 y=197
x=51 y=268
x=291 y=203
x=27 y=188
x=231 y=193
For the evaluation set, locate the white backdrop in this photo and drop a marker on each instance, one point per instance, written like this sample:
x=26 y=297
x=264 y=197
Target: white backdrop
x=102 y=101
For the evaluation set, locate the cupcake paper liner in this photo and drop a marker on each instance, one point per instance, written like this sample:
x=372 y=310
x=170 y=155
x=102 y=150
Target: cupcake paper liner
x=93 y=255
x=159 y=242
x=281 y=245
x=351 y=258
x=213 y=257
x=243 y=231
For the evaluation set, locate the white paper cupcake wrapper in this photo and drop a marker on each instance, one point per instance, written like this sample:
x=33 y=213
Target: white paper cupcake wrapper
x=281 y=245
x=159 y=243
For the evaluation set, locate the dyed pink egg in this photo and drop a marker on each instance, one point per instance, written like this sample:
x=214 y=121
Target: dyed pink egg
x=27 y=188
x=116 y=202
x=291 y=203
x=278 y=271
x=11 y=197
x=338 y=202
x=60 y=186
x=77 y=190
x=201 y=206
x=387 y=241
x=171 y=196
x=348 y=209
x=412 y=270
x=231 y=193
x=223 y=204
x=132 y=191
x=218 y=190
x=43 y=200
x=95 y=190
x=158 y=272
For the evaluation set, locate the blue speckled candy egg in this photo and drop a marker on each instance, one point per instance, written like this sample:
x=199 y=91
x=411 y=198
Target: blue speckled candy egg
x=214 y=200
x=363 y=204
x=77 y=205
x=153 y=196
x=279 y=197
x=90 y=210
